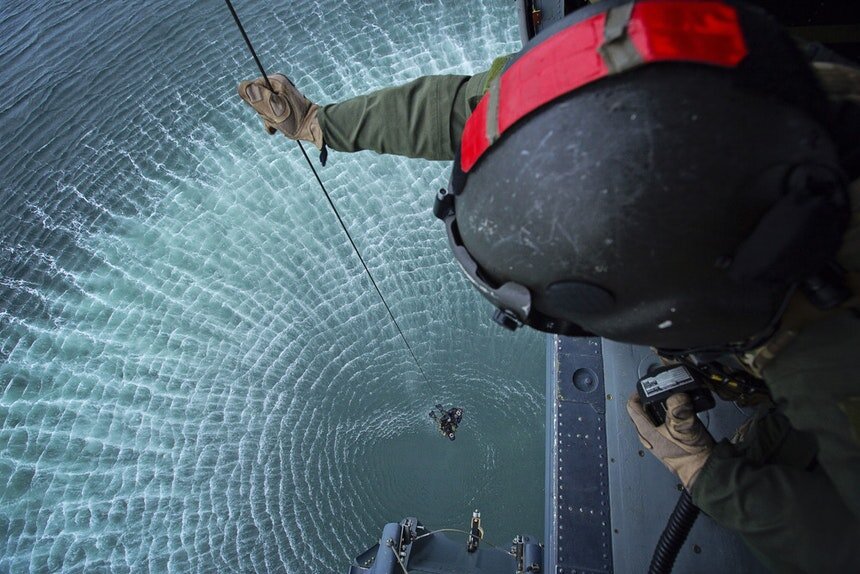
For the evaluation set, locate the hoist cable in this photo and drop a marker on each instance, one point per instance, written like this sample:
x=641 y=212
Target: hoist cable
x=248 y=42
x=366 y=268
x=332 y=205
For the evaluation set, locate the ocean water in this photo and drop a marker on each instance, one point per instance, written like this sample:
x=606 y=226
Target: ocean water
x=195 y=373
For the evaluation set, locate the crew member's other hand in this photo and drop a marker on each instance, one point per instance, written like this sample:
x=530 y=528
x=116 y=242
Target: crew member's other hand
x=683 y=443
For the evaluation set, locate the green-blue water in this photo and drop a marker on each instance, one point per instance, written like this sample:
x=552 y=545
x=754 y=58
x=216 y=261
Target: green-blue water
x=195 y=373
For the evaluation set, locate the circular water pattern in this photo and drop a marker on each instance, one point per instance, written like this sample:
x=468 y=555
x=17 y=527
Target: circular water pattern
x=195 y=373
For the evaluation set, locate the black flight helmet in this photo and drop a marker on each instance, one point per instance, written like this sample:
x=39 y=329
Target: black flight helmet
x=655 y=172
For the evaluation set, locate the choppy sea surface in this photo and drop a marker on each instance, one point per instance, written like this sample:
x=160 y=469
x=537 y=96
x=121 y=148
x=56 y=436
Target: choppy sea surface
x=195 y=373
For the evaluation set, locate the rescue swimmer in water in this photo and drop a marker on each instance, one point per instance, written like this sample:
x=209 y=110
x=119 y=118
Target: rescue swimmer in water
x=699 y=194
x=448 y=421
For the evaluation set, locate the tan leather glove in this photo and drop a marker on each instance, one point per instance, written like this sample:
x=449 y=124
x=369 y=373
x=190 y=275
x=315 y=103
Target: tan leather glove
x=285 y=110
x=683 y=443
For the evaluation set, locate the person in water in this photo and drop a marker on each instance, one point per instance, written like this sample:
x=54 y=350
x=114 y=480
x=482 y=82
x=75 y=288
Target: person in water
x=448 y=421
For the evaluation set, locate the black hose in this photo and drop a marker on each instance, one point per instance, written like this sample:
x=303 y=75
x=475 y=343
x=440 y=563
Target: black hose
x=674 y=535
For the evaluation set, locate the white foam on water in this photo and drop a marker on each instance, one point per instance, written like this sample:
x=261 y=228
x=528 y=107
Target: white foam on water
x=197 y=375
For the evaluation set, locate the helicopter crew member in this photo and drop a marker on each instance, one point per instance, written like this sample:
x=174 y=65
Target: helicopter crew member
x=789 y=486
x=449 y=420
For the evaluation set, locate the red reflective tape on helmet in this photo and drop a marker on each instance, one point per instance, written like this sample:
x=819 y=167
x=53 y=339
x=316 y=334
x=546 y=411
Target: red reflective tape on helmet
x=536 y=80
x=705 y=32
x=675 y=30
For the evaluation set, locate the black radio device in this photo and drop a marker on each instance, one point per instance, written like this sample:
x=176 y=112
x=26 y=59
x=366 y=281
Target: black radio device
x=662 y=382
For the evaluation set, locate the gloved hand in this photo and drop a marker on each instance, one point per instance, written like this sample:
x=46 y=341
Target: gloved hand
x=285 y=110
x=683 y=443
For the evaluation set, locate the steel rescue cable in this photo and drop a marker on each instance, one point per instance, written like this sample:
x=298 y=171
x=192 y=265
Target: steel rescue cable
x=331 y=203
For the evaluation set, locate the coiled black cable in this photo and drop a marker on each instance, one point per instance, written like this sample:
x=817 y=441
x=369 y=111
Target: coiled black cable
x=674 y=535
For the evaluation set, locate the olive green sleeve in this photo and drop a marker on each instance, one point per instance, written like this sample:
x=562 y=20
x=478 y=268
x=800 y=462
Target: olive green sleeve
x=797 y=517
x=817 y=380
x=792 y=518
x=423 y=118
x=413 y=120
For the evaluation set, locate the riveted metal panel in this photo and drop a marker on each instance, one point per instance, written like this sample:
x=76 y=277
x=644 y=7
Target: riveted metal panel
x=607 y=499
x=579 y=533
x=643 y=492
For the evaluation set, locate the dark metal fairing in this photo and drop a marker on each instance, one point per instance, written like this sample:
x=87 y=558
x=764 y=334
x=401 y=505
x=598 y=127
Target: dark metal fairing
x=833 y=23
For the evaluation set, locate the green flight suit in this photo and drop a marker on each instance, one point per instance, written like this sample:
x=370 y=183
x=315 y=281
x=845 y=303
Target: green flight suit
x=791 y=489
x=794 y=493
